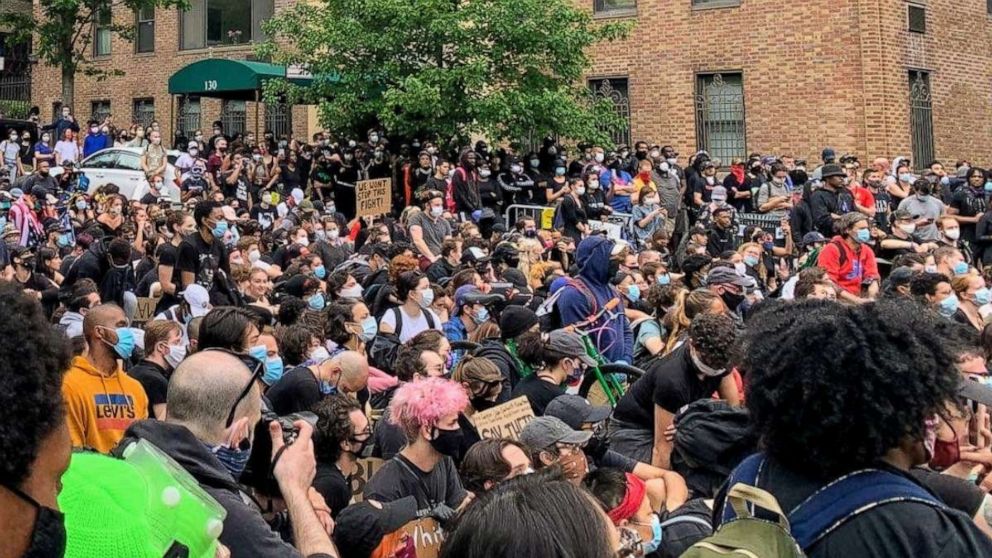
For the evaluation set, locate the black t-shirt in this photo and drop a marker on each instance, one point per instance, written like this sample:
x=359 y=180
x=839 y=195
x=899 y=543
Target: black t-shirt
x=538 y=392
x=968 y=203
x=151 y=377
x=333 y=486
x=265 y=216
x=168 y=255
x=893 y=530
x=956 y=493
x=149 y=199
x=387 y=438
x=297 y=390
x=671 y=383
x=202 y=260
x=399 y=478
x=883 y=206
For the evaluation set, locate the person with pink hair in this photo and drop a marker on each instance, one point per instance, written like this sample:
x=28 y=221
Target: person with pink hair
x=427 y=411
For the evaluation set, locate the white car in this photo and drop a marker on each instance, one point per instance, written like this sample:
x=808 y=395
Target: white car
x=122 y=166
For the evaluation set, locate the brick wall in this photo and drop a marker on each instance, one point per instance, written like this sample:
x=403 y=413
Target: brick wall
x=815 y=73
x=146 y=75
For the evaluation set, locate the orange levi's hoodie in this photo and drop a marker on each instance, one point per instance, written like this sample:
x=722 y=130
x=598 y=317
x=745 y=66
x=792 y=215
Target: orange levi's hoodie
x=100 y=408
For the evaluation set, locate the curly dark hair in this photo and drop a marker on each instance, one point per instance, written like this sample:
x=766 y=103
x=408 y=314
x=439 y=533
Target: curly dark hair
x=925 y=283
x=484 y=462
x=409 y=364
x=339 y=314
x=714 y=337
x=333 y=426
x=291 y=308
x=31 y=405
x=294 y=343
x=832 y=388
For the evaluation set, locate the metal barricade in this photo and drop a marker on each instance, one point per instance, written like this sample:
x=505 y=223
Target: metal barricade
x=543 y=215
x=767 y=222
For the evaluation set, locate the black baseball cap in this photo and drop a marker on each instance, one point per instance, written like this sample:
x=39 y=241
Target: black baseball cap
x=575 y=411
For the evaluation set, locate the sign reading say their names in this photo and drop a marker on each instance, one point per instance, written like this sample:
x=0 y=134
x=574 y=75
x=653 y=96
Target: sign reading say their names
x=373 y=197
x=504 y=421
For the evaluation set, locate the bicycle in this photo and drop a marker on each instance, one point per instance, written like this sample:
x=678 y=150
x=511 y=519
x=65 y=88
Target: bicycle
x=604 y=373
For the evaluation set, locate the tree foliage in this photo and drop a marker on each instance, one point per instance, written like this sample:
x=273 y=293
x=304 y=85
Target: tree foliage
x=62 y=31
x=504 y=69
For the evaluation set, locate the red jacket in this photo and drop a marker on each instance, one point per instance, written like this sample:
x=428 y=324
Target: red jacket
x=847 y=268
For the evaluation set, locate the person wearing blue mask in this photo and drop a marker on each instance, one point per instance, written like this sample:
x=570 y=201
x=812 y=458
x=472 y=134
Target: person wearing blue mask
x=972 y=295
x=470 y=312
x=934 y=290
x=202 y=256
x=101 y=400
x=849 y=263
x=625 y=499
x=267 y=351
x=302 y=387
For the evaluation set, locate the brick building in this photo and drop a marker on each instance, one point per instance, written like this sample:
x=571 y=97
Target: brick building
x=166 y=40
x=869 y=77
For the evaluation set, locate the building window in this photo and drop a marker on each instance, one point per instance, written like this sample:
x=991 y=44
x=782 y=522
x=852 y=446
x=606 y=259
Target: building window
x=703 y=4
x=233 y=116
x=144 y=112
x=615 y=90
x=988 y=6
x=614 y=7
x=100 y=110
x=189 y=116
x=720 y=115
x=146 y=29
x=921 y=118
x=223 y=22
x=279 y=119
x=102 y=34
x=917 y=16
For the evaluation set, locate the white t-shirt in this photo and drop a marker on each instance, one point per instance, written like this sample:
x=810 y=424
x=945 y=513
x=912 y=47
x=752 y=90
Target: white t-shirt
x=411 y=325
x=68 y=150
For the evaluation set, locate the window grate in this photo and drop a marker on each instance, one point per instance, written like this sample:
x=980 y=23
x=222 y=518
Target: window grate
x=99 y=110
x=617 y=91
x=144 y=112
x=720 y=122
x=279 y=119
x=190 y=112
x=921 y=118
x=233 y=116
x=612 y=6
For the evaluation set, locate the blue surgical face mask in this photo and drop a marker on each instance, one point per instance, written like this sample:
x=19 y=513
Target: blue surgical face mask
x=750 y=261
x=960 y=268
x=655 y=542
x=949 y=306
x=327 y=389
x=65 y=240
x=665 y=279
x=481 y=316
x=863 y=236
x=988 y=186
x=369 y=329
x=906 y=177
x=220 y=229
x=259 y=352
x=320 y=272
x=560 y=171
x=316 y=301
x=983 y=296
x=426 y=298
x=125 y=342
x=273 y=370
x=633 y=292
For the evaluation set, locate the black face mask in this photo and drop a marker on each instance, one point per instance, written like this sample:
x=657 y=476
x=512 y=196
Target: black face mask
x=481 y=404
x=732 y=300
x=613 y=269
x=362 y=446
x=48 y=536
x=447 y=442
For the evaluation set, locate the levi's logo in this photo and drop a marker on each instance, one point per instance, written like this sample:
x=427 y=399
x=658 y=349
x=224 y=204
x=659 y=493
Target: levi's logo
x=114 y=411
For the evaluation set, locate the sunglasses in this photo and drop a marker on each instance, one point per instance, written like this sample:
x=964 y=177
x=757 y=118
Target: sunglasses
x=256 y=366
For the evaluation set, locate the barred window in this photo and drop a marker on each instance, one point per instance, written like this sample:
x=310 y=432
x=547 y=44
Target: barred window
x=921 y=118
x=99 y=110
x=614 y=6
x=617 y=91
x=144 y=112
x=720 y=124
x=233 y=115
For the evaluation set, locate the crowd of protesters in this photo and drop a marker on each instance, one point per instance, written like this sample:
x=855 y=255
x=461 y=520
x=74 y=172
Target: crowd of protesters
x=266 y=341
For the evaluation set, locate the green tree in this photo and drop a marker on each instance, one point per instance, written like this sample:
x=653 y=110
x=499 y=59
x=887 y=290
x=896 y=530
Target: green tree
x=504 y=69
x=63 y=32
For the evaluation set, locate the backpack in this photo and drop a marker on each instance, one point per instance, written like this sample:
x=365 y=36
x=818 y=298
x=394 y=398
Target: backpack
x=789 y=535
x=712 y=437
x=684 y=526
x=386 y=346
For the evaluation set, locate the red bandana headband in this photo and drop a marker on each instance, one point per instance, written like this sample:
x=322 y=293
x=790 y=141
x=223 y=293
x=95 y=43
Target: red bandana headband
x=631 y=500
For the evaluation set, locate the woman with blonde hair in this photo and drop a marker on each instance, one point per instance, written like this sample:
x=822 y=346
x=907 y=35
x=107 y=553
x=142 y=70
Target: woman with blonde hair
x=752 y=257
x=688 y=305
x=972 y=295
x=531 y=250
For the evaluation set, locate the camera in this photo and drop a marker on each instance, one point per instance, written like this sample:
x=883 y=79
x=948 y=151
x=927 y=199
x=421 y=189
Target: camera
x=289 y=430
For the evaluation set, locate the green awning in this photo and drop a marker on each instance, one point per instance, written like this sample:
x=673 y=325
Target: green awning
x=227 y=79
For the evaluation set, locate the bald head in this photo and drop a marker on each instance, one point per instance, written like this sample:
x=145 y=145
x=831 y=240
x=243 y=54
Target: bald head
x=881 y=164
x=105 y=315
x=354 y=371
x=203 y=389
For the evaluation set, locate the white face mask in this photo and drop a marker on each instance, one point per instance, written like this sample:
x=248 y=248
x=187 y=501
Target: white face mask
x=354 y=291
x=580 y=190
x=908 y=229
x=175 y=355
x=303 y=241
x=599 y=157
x=254 y=256
x=333 y=234
x=703 y=368
x=436 y=211
x=593 y=184
x=952 y=234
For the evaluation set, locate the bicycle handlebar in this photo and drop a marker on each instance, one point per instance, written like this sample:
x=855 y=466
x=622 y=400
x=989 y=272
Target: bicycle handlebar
x=621 y=368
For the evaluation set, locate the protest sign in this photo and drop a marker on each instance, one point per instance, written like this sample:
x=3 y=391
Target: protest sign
x=373 y=197
x=427 y=536
x=504 y=421
x=613 y=230
x=366 y=468
x=146 y=309
x=547 y=218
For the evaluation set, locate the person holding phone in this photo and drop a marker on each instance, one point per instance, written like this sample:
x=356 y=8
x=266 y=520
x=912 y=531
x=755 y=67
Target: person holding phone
x=925 y=210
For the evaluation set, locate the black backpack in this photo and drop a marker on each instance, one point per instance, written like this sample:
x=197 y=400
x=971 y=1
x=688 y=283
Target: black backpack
x=711 y=439
x=386 y=346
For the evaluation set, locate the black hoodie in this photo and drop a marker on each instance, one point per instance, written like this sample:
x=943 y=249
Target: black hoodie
x=246 y=533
